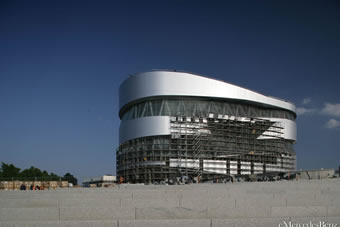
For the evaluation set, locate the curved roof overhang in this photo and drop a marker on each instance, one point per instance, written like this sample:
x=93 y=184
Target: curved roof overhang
x=167 y=83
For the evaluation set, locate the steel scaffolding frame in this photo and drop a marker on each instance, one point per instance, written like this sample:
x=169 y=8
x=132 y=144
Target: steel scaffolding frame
x=194 y=141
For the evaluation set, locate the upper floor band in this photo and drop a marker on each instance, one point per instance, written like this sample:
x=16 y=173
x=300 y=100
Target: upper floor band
x=144 y=86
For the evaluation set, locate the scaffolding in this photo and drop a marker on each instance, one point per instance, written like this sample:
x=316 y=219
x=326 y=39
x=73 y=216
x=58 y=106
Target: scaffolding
x=207 y=147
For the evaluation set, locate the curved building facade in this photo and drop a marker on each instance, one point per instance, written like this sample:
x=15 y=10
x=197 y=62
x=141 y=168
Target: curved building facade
x=177 y=124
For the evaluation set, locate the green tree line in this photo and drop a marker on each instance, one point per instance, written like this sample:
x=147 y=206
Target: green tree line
x=10 y=172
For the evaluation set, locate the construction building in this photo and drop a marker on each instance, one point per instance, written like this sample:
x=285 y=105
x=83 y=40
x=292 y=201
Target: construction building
x=315 y=174
x=176 y=124
x=100 y=181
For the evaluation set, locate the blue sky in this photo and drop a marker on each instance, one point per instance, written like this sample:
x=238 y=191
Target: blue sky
x=61 y=64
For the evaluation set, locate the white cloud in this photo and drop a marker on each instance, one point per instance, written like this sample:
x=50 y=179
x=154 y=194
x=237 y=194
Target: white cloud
x=331 y=109
x=306 y=101
x=303 y=110
x=332 y=123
